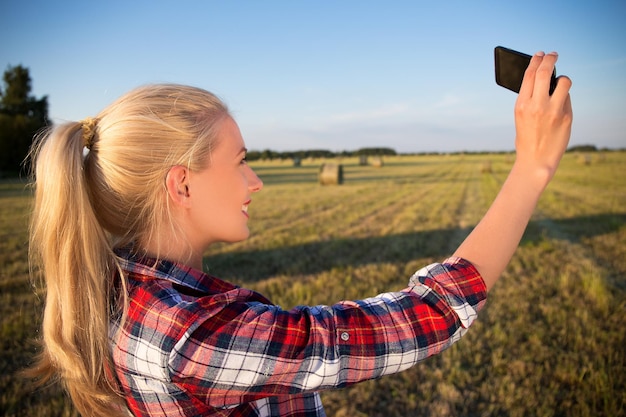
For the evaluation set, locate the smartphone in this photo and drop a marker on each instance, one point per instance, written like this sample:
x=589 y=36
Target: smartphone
x=510 y=67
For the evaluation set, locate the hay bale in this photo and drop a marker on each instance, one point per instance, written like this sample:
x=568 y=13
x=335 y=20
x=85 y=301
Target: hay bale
x=331 y=174
x=584 y=159
x=377 y=161
x=486 y=168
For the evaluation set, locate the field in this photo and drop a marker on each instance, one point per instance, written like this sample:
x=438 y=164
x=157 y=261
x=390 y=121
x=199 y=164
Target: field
x=550 y=342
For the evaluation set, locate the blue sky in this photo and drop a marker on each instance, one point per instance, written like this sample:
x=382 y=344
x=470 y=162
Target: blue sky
x=411 y=75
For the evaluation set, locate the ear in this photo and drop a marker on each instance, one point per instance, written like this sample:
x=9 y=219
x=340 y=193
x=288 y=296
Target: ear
x=177 y=184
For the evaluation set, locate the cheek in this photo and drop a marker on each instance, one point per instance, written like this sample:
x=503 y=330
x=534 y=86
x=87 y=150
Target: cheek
x=226 y=192
x=226 y=197
x=220 y=193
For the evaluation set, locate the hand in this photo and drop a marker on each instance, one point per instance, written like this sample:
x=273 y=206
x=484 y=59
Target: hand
x=543 y=122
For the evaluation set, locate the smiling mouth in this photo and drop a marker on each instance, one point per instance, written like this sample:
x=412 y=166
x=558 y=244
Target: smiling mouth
x=244 y=208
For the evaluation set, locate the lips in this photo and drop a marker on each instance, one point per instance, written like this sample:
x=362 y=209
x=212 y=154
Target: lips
x=244 y=208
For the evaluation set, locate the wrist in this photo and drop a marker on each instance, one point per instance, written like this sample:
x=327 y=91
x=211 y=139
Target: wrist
x=534 y=175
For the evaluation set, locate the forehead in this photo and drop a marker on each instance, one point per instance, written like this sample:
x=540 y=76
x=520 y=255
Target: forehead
x=229 y=137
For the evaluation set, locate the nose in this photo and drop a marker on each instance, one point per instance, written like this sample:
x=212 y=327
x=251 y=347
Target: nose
x=254 y=182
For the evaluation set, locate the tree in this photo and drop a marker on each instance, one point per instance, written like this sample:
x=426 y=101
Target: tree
x=21 y=117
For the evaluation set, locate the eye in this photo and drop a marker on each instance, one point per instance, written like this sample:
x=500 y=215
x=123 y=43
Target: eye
x=244 y=160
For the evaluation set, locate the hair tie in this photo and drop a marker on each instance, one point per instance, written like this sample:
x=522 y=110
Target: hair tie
x=88 y=125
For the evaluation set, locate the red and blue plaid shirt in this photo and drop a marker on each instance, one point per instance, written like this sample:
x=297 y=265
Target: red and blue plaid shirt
x=194 y=345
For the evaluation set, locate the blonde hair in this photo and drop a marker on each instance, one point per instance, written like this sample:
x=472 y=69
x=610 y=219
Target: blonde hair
x=89 y=200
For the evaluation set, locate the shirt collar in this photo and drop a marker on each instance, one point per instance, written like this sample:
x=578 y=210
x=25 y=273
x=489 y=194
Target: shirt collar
x=143 y=267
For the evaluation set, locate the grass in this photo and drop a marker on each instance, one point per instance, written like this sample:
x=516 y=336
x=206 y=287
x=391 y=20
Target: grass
x=550 y=341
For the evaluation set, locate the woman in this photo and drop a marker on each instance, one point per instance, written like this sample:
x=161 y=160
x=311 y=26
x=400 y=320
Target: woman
x=127 y=203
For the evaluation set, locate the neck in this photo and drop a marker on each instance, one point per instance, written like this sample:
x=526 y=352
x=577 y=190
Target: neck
x=175 y=250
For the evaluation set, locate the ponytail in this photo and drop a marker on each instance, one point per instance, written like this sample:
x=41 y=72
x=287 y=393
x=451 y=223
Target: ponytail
x=73 y=252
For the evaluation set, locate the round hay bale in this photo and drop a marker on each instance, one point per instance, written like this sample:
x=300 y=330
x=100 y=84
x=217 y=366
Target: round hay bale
x=331 y=174
x=377 y=162
x=486 y=168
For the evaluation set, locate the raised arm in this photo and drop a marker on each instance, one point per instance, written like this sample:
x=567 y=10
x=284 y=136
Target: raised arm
x=543 y=125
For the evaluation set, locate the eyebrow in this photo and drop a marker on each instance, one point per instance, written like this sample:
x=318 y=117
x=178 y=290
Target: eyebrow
x=243 y=151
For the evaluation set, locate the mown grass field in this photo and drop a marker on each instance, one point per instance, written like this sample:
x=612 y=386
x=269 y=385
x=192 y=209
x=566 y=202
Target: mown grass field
x=550 y=342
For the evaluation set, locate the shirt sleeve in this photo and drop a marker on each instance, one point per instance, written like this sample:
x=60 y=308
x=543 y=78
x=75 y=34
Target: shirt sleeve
x=239 y=351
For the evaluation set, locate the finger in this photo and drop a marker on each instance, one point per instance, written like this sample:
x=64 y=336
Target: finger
x=528 y=83
x=544 y=74
x=568 y=105
x=563 y=85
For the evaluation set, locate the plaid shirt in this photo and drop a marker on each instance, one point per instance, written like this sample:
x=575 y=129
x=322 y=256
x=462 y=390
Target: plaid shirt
x=194 y=345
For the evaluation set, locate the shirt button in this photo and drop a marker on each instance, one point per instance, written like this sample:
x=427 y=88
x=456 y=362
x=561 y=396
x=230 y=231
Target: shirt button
x=345 y=336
